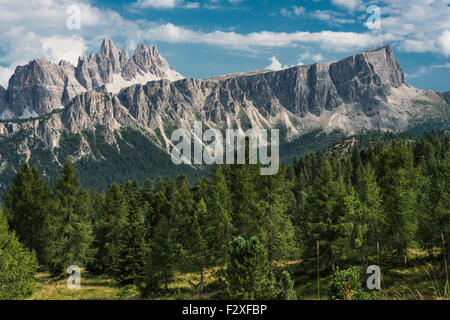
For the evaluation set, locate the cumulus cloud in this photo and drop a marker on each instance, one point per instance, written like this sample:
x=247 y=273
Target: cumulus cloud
x=337 y=41
x=423 y=26
x=275 y=65
x=60 y=48
x=38 y=28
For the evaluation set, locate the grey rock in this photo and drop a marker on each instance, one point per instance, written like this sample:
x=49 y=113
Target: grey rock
x=41 y=86
x=366 y=91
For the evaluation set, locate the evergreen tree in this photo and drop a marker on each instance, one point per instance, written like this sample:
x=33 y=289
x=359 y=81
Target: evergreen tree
x=108 y=229
x=399 y=182
x=244 y=198
x=218 y=203
x=248 y=275
x=275 y=227
x=27 y=204
x=182 y=209
x=159 y=207
x=367 y=219
x=329 y=205
x=133 y=248
x=160 y=267
x=202 y=236
x=434 y=216
x=70 y=225
x=17 y=265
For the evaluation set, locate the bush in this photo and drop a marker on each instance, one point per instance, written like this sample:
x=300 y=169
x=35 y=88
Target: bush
x=346 y=285
x=17 y=266
x=285 y=287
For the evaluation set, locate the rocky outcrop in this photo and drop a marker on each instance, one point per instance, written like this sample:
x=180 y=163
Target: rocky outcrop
x=41 y=86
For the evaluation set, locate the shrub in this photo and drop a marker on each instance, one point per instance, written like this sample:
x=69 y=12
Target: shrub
x=346 y=285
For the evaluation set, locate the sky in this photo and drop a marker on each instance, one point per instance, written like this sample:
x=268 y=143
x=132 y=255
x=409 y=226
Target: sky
x=204 y=38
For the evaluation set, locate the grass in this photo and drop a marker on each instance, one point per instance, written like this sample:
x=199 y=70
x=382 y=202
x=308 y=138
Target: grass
x=421 y=283
x=93 y=287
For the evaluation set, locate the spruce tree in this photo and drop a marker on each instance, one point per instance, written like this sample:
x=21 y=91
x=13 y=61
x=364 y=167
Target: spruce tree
x=399 y=182
x=202 y=236
x=70 y=224
x=133 y=248
x=160 y=267
x=368 y=218
x=275 y=227
x=27 y=204
x=248 y=275
x=109 y=227
x=329 y=205
x=218 y=203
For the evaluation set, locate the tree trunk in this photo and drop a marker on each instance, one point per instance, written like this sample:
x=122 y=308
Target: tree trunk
x=201 y=282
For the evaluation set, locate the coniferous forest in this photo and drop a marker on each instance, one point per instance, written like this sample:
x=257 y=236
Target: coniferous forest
x=308 y=232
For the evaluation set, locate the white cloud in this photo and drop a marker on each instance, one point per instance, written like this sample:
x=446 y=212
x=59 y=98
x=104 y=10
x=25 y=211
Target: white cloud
x=348 y=4
x=337 y=41
x=59 y=48
x=443 y=42
x=5 y=74
x=422 y=25
x=275 y=65
x=425 y=69
x=296 y=11
x=308 y=56
x=317 y=57
x=158 y=4
x=38 y=28
x=331 y=17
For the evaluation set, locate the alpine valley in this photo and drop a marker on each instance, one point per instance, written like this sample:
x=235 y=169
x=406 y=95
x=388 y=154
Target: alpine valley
x=114 y=114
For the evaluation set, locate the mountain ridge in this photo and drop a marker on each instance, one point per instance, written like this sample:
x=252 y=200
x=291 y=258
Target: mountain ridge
x=363 y=92
x=41 y=86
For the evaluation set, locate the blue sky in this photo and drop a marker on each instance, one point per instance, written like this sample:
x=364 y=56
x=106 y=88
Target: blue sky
x=214 y=37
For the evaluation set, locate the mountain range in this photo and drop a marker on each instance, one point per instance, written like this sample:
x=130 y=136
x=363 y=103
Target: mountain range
x=114 y=114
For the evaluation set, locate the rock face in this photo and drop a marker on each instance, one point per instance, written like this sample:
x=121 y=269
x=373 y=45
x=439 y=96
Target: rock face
x=366 y=91
x=41 y=86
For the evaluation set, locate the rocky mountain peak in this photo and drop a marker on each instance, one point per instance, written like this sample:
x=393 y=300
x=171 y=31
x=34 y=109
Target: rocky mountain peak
x=41 y=86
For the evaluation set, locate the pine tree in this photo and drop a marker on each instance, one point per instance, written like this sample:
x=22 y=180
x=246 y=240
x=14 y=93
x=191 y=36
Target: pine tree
x=160 y=267
x=368 y=218
x=159 y=207
x=27 y=204
x=218 y=203
x=244 y=198
x=70 y=225
x=275 y=227
x=248 y=270
x=202 y=236
x=133 y=248
x=329 y=205
x=17 y=265
x=182 y=209
x=109 y=226
x=399 y=182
